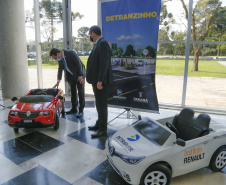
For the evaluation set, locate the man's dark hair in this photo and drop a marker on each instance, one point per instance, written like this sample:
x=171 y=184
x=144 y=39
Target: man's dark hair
x=54 y=52
x=95 y=29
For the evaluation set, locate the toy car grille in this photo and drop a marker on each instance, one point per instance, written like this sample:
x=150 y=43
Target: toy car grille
x=24 y=115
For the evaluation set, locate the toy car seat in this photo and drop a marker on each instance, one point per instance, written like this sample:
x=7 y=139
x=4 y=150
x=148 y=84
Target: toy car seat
x=35 y=91
x=52 y=91
x=189 y=127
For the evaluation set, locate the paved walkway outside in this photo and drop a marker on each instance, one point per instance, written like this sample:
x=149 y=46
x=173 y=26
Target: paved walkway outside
x=201 y=91
x=223 y=63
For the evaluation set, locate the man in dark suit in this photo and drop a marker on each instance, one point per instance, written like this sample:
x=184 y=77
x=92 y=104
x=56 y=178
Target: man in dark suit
x=74 y=71
x=99 y=74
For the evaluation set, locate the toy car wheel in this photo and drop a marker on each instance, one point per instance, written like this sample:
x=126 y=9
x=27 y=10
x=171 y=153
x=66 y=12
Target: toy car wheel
x=56 y=122
x=218 y=160
x=16 y=130
x=63 y=107
x=157 y=174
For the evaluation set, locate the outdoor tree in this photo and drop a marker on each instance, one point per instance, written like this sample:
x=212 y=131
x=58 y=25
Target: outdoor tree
x=140 y=52
x=83 y=32
x=129 y=51
x=47 y=31
x=84 y=42
x=53 y=12
x=151 y=51
x=165 y=18
x=119 y=51
x=218 y=28
x=202 y=18
x=164 y=47
x=179 y=48
x=29 y=18
x=114 y=49
x=166 y=21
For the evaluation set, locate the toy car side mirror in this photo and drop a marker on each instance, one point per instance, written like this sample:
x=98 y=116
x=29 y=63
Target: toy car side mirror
x=60 y=97
x=14 y=99
x=180 y=142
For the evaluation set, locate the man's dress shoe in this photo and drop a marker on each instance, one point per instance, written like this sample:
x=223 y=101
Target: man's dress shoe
x=79 y=115
x=72 y=111
x=99 y=134
x=95 y=127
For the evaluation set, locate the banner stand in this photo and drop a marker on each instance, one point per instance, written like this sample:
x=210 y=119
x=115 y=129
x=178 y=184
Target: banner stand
x=2 y=106
x=128 y=115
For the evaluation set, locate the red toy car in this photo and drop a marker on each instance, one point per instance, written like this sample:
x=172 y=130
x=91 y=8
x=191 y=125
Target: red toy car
x=38 y=108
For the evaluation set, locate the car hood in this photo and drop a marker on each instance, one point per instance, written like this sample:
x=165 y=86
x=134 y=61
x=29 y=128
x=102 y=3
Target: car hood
x=128 y=141
x=23 y=107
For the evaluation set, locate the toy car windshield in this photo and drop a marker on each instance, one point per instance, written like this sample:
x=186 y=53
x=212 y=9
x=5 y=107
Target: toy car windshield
x=152 y=131
x=36 y=99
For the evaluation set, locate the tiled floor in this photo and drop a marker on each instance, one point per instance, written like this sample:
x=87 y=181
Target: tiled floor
x=43 y=156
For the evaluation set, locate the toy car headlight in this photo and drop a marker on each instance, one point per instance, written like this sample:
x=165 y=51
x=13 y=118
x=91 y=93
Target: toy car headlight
x=131 y=160
x=45 y=113
x=13 y=113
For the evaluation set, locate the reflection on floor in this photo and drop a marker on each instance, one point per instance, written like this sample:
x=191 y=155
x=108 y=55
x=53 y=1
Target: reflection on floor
x=43 y=156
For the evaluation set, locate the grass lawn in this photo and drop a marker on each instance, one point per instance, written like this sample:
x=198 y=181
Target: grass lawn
x=165 y=67
x=53 y=64
x=176 y=67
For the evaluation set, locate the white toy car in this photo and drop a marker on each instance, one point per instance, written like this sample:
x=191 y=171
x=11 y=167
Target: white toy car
x=148 y=152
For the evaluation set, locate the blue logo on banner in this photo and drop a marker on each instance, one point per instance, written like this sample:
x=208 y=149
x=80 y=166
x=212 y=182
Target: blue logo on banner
x=119 y=92
x=134 y=138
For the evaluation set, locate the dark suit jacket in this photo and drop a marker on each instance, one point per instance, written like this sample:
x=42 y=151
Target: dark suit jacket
x=74 y=64
x=99 y=64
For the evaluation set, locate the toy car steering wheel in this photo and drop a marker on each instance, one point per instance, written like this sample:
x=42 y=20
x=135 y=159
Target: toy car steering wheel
x=41 y=93
x=172 y=128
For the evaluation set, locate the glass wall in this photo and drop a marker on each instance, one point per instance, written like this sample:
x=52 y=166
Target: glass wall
x=51 y=30
x=84 y=15
x=171 y=54
x=51 y=33
x=205 y=84
x=30 y=39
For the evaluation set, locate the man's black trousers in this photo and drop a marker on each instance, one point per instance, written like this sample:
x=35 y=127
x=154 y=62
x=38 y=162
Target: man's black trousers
x=76 y=86
x=101 y=97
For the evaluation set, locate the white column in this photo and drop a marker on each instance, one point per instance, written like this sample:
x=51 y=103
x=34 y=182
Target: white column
x=187 y=54
x=13 y=51
x=99 y=18
x=37 y=43
x=67 y=31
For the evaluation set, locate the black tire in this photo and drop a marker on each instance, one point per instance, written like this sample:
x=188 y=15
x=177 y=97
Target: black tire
x=139 y=117
x=157 y=174
x=56 y=122
x=16 y=130
x=63 y=107
x=218 y=160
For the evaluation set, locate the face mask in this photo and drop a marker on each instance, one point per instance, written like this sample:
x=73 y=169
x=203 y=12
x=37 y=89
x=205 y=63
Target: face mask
x=91 y=39
x=59 y=59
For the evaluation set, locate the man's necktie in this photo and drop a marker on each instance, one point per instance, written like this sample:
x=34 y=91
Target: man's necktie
x=65 y=69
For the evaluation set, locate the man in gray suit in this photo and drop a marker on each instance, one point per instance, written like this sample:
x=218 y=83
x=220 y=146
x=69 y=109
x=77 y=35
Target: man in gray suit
x=99 y=74
x=74 y=71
